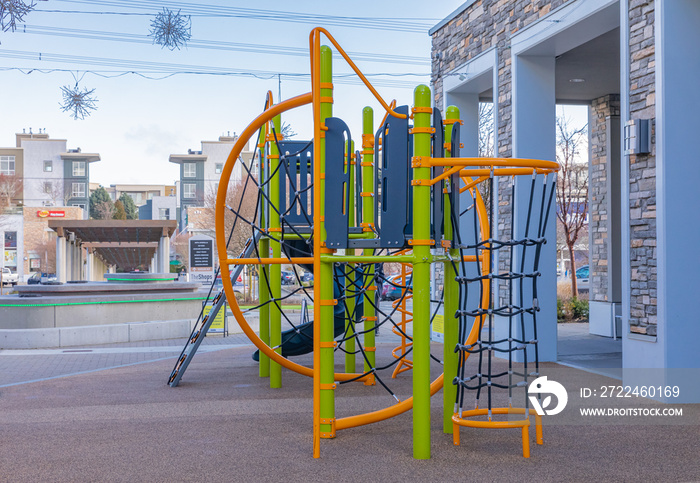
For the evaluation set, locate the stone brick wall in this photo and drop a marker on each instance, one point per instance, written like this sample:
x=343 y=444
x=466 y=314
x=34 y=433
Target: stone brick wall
x=482 y=25
x=599 y=247
x=491 y=23
x=642 y=171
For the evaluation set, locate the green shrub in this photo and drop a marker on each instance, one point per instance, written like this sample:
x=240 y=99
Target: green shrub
x=561 y=313
x=579 y=308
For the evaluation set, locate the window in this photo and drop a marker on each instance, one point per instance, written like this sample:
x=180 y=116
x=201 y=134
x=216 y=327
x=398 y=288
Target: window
x=137 y=196
x=48 y=187
x=189 y=170
x=78 y=168
x=48 y=166
x=163 y=213
x=10 y=239
x=79 y=205
x=219 y=168
x=7 y=165
x=78 y=190
x=189 y=190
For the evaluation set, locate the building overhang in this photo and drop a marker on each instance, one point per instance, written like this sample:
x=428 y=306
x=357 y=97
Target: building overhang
x=87 y=157
x=127 y=244
x=115 y=231
x=187 y=158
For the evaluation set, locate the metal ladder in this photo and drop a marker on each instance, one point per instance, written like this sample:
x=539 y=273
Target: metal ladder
x=204 y=322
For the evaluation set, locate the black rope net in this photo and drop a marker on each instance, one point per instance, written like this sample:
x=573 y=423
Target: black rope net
x=354 y=283
x=478 y=305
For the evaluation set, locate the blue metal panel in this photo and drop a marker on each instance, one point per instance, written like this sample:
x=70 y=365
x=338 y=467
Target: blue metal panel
x=338 y=146
x=454 y=180
x=437 y=194
x=296 y=191
x=394 y=180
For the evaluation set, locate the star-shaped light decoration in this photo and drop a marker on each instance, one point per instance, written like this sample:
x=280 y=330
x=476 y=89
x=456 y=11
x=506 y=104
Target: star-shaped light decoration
x=13 y=11
x=78 y=102
x=171 y=29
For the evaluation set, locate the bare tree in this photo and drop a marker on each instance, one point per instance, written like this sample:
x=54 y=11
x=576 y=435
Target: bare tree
x=486 y=146
x=10 y=189
x=486 y=130
x=240 y=199
x=181 y=243
x=572 y=187
x=104 y=210
x=56 y=189
x=46 y=250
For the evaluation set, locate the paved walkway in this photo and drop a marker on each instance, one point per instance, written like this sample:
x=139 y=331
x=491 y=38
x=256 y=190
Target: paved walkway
x=577 y=348
x=224 y=423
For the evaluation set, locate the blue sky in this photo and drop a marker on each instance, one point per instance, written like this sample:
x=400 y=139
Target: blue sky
x=139 y=121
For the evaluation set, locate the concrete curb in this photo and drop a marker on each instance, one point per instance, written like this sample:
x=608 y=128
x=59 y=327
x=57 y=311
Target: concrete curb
x=94 y=334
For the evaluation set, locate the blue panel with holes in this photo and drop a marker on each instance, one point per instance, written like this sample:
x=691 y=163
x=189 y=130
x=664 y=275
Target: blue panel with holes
x=338 y=149
x=296 y=183
x=393 y=170
x=438 y=151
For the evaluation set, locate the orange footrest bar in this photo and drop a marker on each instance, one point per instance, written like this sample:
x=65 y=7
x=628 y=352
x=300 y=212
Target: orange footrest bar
x=523 y=424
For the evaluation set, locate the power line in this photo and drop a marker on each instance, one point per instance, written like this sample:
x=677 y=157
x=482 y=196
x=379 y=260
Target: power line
x=406 y=24
x=214 y=44
x=144 y=68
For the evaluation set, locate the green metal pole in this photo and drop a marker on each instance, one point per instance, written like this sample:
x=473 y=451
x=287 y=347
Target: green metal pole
x=276 y=269
x=451 y=326
x=263 y=271
x=368 y=220
x=421 y=281
x=349 y=272
x=327 y=356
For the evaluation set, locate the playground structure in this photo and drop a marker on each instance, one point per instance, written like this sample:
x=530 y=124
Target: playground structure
x=405 y=197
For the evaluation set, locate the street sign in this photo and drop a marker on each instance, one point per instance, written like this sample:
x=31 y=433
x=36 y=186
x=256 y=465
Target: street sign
x=202 y=259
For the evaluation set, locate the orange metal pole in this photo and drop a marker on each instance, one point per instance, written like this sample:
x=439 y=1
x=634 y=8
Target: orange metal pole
x=315 y=41
x=267 y=261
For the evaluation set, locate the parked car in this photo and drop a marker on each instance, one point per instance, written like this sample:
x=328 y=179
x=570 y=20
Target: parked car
x=392 y=289
x=237 y=286
x=41 y=277
x=35 y=279
x=307 y=277
x=9 y=278
x=288 y=277
x=582 y=275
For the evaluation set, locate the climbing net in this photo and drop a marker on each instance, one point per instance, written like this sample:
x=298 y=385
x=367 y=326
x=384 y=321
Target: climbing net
x=518 y=309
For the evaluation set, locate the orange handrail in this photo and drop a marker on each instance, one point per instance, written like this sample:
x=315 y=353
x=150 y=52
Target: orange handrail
x=314 y=36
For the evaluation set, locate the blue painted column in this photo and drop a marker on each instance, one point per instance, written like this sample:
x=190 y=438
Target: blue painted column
x=534 y=136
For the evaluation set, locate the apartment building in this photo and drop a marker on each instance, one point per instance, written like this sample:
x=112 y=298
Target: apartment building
x=41 y=178
x=200 y=171
x=49 y=172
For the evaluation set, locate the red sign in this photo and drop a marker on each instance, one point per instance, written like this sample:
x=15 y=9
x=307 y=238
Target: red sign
x=51 y=214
